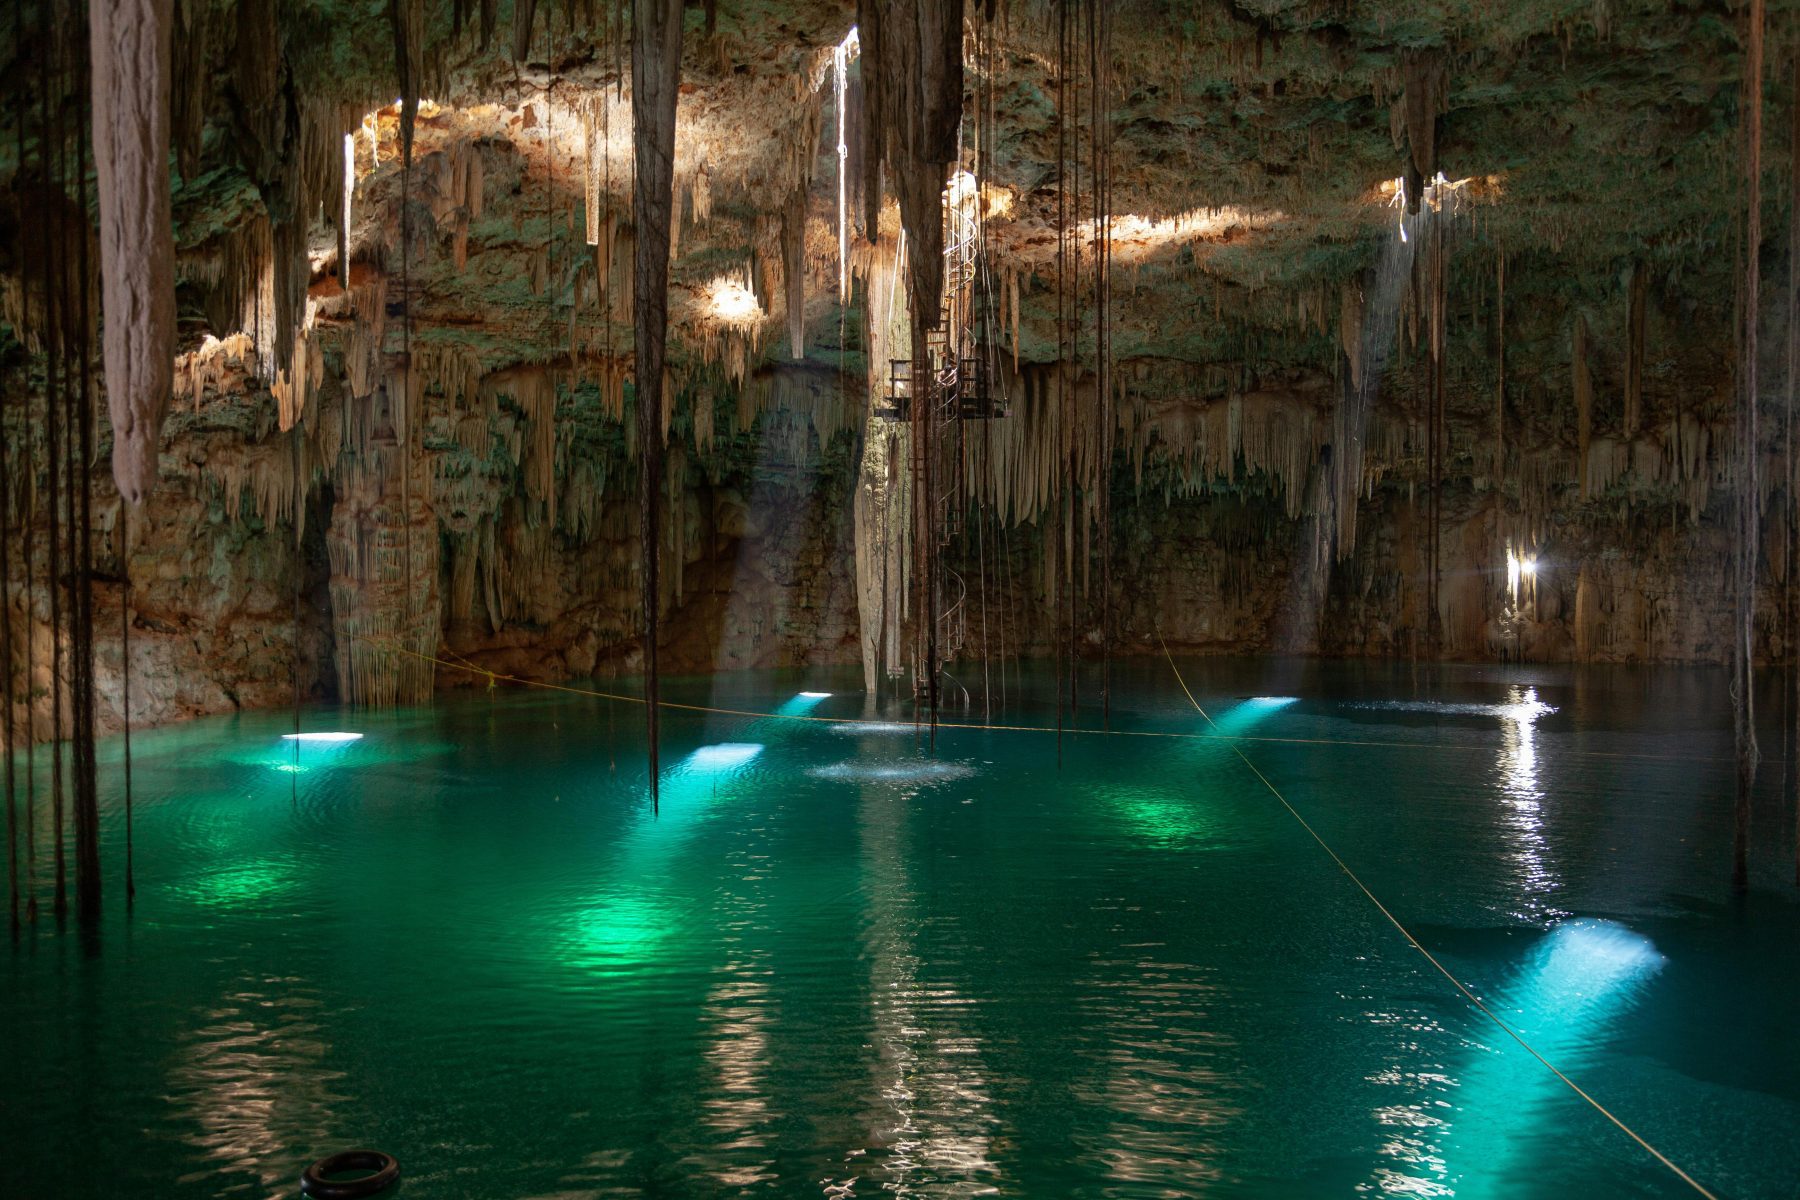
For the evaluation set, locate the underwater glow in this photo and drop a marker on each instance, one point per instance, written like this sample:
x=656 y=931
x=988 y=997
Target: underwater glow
x=1582 y=964
x=1242 y=715
x=1567 y=994
x=330 y=739
x=801 y=704
x=617 y=936
x=816 y=695
x=1162 y=818
x=723 y=756
x=253 y=883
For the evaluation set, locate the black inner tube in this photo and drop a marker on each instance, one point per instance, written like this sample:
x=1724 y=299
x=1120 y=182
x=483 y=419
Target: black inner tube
x=383 y=1167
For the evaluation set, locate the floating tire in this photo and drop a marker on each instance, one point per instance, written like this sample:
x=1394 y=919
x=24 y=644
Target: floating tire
x=382 y=1167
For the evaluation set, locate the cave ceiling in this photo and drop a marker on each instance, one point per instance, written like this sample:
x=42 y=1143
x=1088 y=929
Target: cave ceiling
x=1600 y=134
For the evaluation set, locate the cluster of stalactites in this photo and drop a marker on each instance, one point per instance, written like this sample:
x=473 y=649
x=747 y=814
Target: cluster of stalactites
x=912 y=72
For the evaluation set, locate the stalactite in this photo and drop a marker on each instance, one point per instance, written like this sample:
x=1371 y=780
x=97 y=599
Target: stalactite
x=535 y=392
x=593 y=152
x=344 y=211
x=1500 y=370
x=656 y=34
x=1634 y=349
x=793 y=267
x=191 y=84
x=408 y=20
x=912 y=76
x=362 y=344
x=81 y=545
x=1748 y=507
x=261 y=110
x=1350 y=331
x=131 y=53
x=56 y=432
x=1793 y=450
x=1424 y=94
x=1582 y=385
x=524 y=17
x=870 y=19
x=297 y=382
x=9 y=684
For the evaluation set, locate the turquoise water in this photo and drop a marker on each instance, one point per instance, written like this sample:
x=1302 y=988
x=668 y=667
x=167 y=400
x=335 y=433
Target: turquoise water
x=840 y=965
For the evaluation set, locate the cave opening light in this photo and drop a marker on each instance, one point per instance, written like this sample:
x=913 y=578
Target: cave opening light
x=841 y=54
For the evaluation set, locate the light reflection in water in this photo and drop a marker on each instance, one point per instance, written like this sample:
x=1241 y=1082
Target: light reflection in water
x=1522 y=801
x=736 y=1023
x=938 y=1140
x=921 y=770
x=1156 y=1076
x=1414 y=1130
x=249 y=1078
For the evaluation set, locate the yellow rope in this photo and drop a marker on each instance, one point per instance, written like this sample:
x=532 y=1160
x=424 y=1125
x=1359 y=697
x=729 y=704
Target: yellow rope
x=1427 y=955
x=1232 y=740
x=493 y=677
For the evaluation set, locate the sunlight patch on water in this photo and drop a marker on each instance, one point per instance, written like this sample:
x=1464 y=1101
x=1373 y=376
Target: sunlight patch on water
x=919 y=771
x=1529 y=709
x=859 y=728
x=725 y=756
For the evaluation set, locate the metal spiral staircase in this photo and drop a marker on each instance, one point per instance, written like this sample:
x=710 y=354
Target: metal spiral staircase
x=956 y=387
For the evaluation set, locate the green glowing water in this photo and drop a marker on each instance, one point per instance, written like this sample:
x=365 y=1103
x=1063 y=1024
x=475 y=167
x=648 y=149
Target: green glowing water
x=838 y=964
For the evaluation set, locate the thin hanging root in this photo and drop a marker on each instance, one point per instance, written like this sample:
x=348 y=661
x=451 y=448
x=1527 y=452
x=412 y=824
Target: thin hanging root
x=656 y=81
x=1748 y=504
x=130 y=46
x=1793 y=459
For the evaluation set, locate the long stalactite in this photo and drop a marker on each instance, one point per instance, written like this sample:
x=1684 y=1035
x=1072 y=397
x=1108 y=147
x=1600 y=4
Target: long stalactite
x=1748 y=501
x=656 y=37
x=1793 y=454
x=130 y=48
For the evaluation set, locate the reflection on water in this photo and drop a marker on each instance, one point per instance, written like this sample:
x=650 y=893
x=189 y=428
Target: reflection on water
x=249 y=1081
x=937 y=1138
x=735 y=1026
x=920 y=770
x=1523 y=802
x=1519 y=706
x=846 y=965
x=1167 y=1120
x=1410 y=1153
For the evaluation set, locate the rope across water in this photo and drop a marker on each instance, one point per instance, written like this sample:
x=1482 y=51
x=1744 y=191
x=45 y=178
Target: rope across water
x=1427 y=955
x=494 y=677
